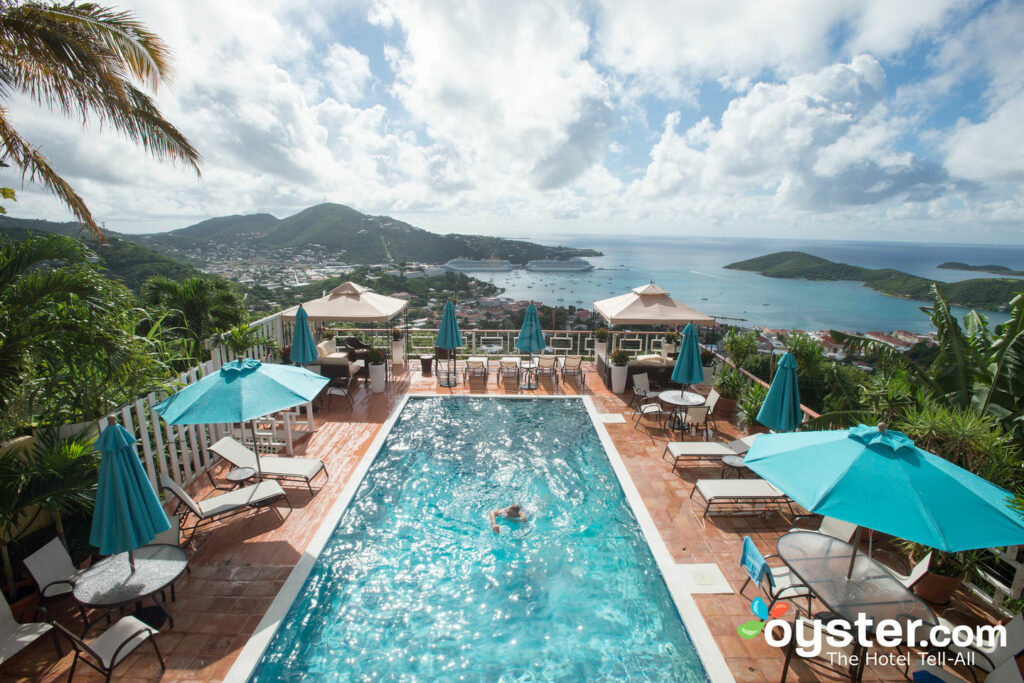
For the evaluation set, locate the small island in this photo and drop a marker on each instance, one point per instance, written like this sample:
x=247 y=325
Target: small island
x=995 y=270
x=984 y=293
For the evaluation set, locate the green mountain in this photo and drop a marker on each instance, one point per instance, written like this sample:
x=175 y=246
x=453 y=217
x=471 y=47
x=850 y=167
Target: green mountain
x=986 y=293
x=995 y=270
x=126 y=261
x=353 y=237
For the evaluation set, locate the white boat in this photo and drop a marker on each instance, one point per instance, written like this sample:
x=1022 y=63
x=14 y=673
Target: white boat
x=572 y=265
x=463 y=265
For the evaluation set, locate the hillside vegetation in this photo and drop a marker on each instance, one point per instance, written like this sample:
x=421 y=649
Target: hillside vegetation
x=995 y=270
x=353 y=237
x=985 y=293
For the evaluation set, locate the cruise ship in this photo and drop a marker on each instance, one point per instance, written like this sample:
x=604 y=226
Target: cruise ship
x=463 y=265
x=573 y=265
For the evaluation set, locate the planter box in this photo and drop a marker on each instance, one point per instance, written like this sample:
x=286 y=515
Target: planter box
x=398 y=352
x=666 y=349
x=378 y=377
x=619 y=374
x=600 y=348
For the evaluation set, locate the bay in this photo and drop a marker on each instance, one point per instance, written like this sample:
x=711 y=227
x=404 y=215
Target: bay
x=692 y=271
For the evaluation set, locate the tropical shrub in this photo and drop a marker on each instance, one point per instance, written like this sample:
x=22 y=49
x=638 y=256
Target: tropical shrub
x=749 y=405
x=729 y=382
x=739 y=346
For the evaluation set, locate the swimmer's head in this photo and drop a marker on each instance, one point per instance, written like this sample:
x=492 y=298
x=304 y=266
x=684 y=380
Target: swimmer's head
x=513 y=510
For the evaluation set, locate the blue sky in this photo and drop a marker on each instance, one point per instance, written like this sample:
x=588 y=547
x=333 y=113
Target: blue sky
x=866 y=119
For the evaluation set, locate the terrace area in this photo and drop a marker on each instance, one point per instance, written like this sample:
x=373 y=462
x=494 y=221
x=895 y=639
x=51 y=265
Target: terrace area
x=239 y=565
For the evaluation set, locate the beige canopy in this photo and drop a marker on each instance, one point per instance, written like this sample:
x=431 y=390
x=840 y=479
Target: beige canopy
x=350 y=302
x=649 y=305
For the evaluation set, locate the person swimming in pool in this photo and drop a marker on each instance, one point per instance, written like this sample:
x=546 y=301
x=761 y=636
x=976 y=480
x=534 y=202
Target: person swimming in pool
x=512 y=512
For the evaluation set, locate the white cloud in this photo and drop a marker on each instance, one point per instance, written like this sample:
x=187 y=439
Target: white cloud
x=990 y=150
x=347 y=70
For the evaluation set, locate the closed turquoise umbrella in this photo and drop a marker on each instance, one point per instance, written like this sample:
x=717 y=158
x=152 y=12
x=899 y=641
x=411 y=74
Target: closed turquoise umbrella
x=781 y=408
x=531 y=338
x=128 y=514
x=880 y=480
x=449 y=338
x=303 y=345
x=241 y=390
x=688 y=368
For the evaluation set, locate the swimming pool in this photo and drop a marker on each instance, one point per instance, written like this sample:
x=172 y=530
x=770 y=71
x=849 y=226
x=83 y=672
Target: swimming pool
x=413 y=584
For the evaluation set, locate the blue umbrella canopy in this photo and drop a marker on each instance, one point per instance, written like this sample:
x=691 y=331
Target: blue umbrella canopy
x=781 y=408
x=241 y=390
x=303 y=345
x=688 y=369
x=128 y=514
x=531 y=336
x=448 y=336
x=880 y=480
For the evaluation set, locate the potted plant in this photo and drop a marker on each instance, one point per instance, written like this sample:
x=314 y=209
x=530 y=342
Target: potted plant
x=945 y=572
x=749 y=406
x=668 y=343
x=620 y=361
x=707 y=359
x=600 y=342
x=378 y=375
x=397 y=345
x=729 y=383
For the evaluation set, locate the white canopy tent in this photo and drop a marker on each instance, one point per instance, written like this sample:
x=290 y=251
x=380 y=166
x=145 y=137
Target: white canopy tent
x=349 y=302
x=649 y=305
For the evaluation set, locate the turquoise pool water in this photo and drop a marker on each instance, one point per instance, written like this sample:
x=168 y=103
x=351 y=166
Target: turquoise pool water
x=414 y=585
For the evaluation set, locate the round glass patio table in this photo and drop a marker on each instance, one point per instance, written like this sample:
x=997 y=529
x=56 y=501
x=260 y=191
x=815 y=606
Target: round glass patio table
x=111 y=582
x=821 y=563
x=680 y=398
x=529 y=368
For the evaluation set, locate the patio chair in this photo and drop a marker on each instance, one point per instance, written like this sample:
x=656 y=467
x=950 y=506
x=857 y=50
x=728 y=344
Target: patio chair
x=695 y=416
x=15 y=637
x=830 y=526
x=648 y=409
x=573 y=365
x=111 y=647
x=711 y=401
x=682 y=450
x=222 y=506
x=1007 y=672
x=170 y=537
x=303 y=469
x=475 y=368
x=988 y=655
x=507 y=368
x=829 y=653
x=341 y=386
x=641 y=390
x=917 y=572
x=54 y=572
x=748 y=495
x=776 y=582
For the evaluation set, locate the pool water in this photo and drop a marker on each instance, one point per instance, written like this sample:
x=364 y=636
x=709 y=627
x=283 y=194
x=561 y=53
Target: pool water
x=414 y=585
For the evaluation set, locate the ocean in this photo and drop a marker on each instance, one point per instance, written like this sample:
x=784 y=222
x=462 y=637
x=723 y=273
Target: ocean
x=692 y=271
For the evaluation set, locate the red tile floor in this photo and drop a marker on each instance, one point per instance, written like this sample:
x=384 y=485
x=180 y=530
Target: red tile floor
x=239 y=566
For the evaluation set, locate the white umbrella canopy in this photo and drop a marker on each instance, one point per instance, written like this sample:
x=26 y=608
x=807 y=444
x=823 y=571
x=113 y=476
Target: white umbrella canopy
x=349 y=302
x=649 y=305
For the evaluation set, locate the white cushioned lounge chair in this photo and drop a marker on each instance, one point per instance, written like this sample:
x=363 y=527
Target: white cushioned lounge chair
x=751 y=495
x=224 y=505
x=303 y=469
x=710 y=450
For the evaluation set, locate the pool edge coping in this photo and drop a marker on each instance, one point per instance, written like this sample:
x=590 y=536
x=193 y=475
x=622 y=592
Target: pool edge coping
x=707 y=649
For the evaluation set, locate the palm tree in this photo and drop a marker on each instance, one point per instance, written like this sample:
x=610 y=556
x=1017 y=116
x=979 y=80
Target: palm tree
x=83 y=60
x=200 y=307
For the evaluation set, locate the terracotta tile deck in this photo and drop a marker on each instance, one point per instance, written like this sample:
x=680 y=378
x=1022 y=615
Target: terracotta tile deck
x=239 y=566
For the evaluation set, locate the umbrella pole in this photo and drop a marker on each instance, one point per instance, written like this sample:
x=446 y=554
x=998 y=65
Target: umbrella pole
x=256 y=450
x=131 y=560
x=853 y=555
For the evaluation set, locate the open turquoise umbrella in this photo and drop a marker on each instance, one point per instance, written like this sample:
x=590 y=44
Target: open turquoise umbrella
x=781 y=408
x=241 y=390
x=688 y=368
x=303 y=345
x=531 y=338
x=449 y=338
x=128 y=514
x=880 y=480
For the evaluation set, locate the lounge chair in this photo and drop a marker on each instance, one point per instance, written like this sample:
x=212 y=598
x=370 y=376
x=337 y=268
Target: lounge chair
x=573 y=365
x=776 y=582
x=712 y=450
x=475 y=368
x=219 y=507
x=508 y=368
x=747 y=494
x=830 y=526
x=15 y=637
x=54 y=572
x=303 y=469
x=547 y=365
x=112 y=646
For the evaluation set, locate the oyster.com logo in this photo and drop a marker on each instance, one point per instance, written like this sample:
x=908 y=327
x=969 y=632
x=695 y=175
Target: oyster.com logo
x=750 y=629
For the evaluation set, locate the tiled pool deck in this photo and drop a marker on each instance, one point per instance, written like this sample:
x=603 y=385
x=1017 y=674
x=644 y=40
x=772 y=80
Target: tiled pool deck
x=239 y=566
